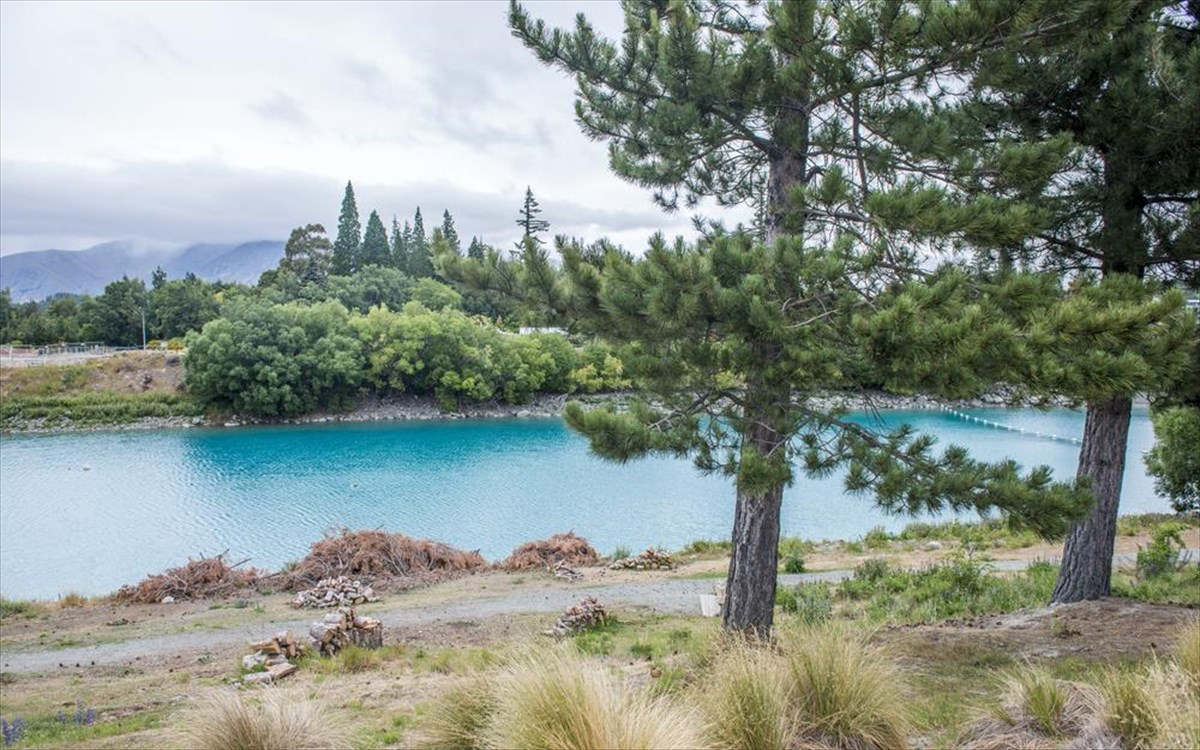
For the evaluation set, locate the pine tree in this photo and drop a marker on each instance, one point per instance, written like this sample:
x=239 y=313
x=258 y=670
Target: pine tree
x=420 y=262
x=307 y=254
x=732 y=338
x=450 y=233
x=531 y=226
x=476 y=249
x=374 y=251
x=1128 y=97
x=401 y=239
x=349 y=236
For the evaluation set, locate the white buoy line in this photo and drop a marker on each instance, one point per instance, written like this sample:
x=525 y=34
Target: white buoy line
x=1010 y=428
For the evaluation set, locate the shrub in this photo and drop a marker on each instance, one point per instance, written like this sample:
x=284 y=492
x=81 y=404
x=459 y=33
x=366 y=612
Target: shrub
x=847 y=693
x=877 y=538
x=793 y=564
x=1036 y=710
x=1161 y=555
x=747 y=702
x=556 y=699
x=814 y=603
x=269 y=720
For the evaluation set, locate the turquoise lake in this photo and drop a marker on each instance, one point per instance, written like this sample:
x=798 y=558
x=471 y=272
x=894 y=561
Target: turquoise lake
x=149 y=500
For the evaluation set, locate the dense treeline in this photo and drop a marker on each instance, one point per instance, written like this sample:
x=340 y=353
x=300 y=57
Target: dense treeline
x=282 y=360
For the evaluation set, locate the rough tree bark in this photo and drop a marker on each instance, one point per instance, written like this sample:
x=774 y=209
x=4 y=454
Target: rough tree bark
x=1086 y=571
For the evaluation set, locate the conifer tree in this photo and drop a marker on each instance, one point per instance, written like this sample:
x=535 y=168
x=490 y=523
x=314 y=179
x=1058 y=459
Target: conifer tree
x=1127 y=96
x=531 y=225
x=420 y=262
x=349 y=236
x=795 y=102
x=476 y=249
x=399 y=253
x=450 y=233
x=374 y=250
x=400 y=244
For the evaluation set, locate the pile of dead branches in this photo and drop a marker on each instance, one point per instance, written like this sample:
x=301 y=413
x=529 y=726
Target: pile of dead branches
x=206 y=578
x=385 y=560
x=566 y=549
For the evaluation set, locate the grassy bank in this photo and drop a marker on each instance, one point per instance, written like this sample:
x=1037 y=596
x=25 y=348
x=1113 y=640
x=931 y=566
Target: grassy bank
x=92 y=409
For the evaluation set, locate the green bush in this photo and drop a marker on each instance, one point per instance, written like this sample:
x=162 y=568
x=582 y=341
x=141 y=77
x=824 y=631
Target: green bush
x=1161 y=556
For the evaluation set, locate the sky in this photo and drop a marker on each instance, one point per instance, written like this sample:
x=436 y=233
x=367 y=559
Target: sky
x=175 y=123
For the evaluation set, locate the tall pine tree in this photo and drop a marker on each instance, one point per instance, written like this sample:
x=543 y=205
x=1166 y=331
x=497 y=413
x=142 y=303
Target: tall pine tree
x=1127 y=96
x=420 y=260
x=793 y=102
x=401 y=240
x=476 y=249
x=374 y=250
x=531 y=225
x=349 y=236
x=450 y=233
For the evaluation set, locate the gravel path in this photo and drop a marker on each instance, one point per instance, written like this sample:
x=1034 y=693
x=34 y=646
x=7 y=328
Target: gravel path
x=668 y=596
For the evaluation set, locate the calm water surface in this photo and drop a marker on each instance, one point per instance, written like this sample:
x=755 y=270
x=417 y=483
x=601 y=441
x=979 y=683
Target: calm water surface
x=149 y=500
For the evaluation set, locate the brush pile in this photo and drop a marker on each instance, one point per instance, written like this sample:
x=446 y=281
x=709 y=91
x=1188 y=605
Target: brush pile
x=385 y=560
x=567 y=549
x=587 y=614
x=335 y=592
x=275 y=655
x=206 y=578
x=649 y=559
x=342 y=628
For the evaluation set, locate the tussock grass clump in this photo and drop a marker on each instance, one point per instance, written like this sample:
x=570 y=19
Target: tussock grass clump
x=206 y=578
x=748 y=700
x=383 y=558
x=558 y=699
x=1187 y=652
x=1038 y=711
x=1154 y=707
x=459 y=719
x=847 y=692
x=270 y=720
x=567 y=548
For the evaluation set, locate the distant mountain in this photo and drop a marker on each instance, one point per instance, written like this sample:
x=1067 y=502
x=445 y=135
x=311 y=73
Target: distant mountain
x=41 y=273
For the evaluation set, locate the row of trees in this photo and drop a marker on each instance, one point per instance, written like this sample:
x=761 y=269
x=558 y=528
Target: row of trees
x=282 y=360
x=871 y=137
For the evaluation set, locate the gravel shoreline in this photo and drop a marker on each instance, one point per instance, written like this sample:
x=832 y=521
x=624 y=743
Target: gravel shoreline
x=542 y=406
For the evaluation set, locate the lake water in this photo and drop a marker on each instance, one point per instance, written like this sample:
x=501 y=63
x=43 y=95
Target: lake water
x=149 y=500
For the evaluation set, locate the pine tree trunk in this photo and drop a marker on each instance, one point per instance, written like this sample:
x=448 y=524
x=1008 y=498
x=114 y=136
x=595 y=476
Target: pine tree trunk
x=750 y=586
x=1086 y=571
x=754 y=563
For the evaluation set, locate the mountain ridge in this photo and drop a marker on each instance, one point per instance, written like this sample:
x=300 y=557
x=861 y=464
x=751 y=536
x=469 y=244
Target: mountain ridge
x=37 y=274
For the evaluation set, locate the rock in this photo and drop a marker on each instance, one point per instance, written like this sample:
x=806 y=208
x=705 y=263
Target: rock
x=931 y=546
x=168 y=599
x=258 y=678
x=250 y=661
x=279 y=671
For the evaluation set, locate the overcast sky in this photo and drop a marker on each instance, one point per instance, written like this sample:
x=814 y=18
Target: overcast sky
x=171 y=123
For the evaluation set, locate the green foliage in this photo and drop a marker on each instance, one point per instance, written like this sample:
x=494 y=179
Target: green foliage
x=117 y=314
x=531 y=225
x=366 y=288
x=1161 y=556
x=89 y=409
x=1174 y=461
x=180 y=306
x=420 y=258
x=793 y=564
x=435 y=295
x=277 y=360
x=598 y=370
x=307 y=254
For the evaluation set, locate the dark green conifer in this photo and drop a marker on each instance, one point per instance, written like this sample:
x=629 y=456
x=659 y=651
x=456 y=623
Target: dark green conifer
x=531 y=225
x=349 y=236
x=374 y=250
x=450 y=233
x=420 y=261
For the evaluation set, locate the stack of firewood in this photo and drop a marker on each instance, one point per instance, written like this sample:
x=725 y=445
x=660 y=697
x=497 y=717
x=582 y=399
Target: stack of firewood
x=274 y=654
x=588 y=613
x=342 y=628
x=335 y=592
x=649 y=559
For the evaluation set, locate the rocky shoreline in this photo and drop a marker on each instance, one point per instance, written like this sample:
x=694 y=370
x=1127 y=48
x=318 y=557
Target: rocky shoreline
x=542 y=406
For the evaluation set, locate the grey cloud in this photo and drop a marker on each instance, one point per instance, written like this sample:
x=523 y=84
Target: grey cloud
x=280 y=107
x=44 y=205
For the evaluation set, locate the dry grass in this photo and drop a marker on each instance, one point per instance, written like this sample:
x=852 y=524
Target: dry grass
x=1155 y=707
x=1187 y=652
x=459 y=719
x=567 y=548
x=206 y=578
x=746 y=703
x=848 y=693
x=1039 y=711
x=272 y=719
x=383 y=558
